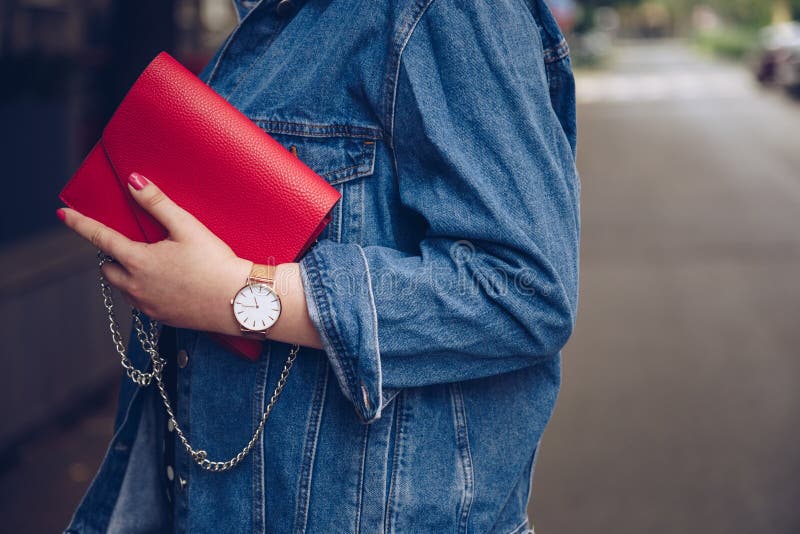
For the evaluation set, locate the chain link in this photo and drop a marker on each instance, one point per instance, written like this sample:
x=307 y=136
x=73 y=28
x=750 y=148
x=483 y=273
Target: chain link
x=149 y=341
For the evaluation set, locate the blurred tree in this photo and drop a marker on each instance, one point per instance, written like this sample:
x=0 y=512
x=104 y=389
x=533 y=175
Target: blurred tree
x=794 y=9
x=747 y=13
x=751 y=13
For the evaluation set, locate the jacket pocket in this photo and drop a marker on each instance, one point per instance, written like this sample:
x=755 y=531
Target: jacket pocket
x=344 y=162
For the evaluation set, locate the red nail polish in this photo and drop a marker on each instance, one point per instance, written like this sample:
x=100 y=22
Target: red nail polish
x=137 y=181
x=61 y=214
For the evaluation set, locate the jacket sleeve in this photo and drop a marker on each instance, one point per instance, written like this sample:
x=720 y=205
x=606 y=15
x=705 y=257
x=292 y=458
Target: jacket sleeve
x=481 y=156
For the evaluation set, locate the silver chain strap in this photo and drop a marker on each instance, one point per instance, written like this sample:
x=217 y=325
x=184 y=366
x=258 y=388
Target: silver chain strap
x=149 y=341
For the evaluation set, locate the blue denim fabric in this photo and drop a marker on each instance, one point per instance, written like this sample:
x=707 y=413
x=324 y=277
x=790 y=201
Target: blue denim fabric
x=443 y=289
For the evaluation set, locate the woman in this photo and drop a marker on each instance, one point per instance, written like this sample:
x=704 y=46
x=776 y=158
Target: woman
x=431 y=312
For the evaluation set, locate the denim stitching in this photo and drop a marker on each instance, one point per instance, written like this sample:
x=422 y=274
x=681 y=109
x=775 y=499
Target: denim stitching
x=373 y=149
x=307 y=272
x=366 y=161
x=262 y=374
x=375 y=328
x=557 y=52
x=516 y=530
x=387 y=397
x=462 y=438
x=339 y=359
x=365 y=440
x=352 y=196
x=347 y=177
x=337 y=171
x=307 y=467
x=530 y=478
x=312 y=129
x=321 y=301
x=340 y=215
x=409 y=25
x=342 y=362
x=391 y=438
x=388 y=525
x=361 y=211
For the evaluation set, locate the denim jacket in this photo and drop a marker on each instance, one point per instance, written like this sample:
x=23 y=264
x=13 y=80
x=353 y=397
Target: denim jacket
x=443 y=289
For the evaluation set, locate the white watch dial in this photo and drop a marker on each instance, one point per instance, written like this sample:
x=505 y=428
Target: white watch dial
x=256 y=307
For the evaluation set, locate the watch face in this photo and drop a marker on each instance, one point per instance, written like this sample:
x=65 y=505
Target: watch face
x=256 y=307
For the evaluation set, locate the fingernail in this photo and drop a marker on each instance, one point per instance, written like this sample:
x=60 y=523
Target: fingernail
x=137 y=181
x=61 y=214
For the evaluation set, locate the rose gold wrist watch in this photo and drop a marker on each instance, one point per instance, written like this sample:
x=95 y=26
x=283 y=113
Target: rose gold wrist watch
x=257 y=306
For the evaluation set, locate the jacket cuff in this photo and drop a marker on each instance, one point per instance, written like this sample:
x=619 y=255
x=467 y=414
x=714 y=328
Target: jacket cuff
x=341 y=304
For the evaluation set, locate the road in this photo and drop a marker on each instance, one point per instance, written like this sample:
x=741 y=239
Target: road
x=680 y=407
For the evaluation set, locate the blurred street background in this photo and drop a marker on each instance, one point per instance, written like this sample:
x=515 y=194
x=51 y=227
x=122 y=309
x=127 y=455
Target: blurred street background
x=680 y=407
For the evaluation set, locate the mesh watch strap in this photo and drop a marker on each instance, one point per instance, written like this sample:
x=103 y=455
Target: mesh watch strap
x=261 y=273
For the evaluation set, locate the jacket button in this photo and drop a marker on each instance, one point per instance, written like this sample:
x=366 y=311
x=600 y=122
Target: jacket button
x=183 y=358
x=284 y=8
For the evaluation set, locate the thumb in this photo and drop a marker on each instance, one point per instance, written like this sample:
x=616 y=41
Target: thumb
x=175 y=219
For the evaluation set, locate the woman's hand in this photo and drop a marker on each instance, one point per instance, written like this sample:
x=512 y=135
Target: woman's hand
x=185 y=280
x=188 y=279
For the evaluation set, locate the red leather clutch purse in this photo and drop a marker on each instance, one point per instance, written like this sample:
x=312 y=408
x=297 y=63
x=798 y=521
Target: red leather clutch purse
x=255 y=195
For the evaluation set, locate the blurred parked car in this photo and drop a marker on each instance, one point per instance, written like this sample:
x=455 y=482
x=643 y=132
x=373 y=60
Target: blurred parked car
x=771 y=60
x=564 y=12
x=787 y=68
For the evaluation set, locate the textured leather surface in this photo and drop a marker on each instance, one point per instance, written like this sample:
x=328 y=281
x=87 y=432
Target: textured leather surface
x=259 y=198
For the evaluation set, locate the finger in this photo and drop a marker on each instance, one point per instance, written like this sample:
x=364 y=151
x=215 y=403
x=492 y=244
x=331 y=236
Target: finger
x=98 y=234
x=174 y=218
x=116 y=275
